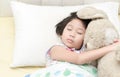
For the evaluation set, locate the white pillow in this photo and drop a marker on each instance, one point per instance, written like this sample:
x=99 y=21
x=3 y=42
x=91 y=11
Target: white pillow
x=35 y=29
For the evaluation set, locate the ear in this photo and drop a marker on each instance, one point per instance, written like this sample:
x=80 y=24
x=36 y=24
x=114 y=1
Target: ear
x=90 y=13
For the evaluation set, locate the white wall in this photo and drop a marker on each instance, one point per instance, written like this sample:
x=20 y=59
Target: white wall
x=5 y=9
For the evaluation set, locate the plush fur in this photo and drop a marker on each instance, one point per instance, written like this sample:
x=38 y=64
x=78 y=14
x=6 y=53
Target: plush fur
x=99 y=33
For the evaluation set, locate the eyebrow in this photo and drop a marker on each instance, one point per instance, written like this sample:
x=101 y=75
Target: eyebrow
x=78 y=28
x=81 y=29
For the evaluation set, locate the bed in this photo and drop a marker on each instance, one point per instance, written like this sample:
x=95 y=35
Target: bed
x=7 y=37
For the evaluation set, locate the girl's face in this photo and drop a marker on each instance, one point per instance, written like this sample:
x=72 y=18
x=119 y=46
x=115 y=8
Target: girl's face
x=73 y=34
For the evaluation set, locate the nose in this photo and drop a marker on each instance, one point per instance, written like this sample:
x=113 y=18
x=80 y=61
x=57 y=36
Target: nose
x=72 y=34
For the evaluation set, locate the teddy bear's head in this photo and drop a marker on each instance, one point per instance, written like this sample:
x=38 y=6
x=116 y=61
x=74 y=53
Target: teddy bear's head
x=100 y=31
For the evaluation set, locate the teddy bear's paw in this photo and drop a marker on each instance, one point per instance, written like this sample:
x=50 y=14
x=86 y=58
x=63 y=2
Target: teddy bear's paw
x=117 y=50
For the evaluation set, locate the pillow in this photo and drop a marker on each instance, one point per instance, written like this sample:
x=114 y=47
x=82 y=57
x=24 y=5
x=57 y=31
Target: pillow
x=35 y=29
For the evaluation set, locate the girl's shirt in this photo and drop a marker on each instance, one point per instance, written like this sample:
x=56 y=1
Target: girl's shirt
x=52 y=62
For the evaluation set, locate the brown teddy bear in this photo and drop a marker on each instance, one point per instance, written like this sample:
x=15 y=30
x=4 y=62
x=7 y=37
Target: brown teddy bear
x=99 y=33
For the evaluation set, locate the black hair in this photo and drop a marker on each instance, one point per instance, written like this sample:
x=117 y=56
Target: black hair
x=61 y=25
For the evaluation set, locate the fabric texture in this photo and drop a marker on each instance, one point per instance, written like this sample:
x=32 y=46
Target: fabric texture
x=65 y=69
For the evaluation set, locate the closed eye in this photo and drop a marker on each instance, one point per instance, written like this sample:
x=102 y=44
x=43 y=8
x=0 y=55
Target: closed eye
x=69 y=29
x=79 y=33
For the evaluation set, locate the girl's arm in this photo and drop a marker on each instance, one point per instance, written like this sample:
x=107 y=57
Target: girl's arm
x=62 y=54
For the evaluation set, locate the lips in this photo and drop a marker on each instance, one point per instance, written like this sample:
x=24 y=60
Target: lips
x=70 y=40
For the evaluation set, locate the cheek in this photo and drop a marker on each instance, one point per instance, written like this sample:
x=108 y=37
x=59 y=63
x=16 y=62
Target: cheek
x=79 y=43
x=80 y=39
x=65 y=34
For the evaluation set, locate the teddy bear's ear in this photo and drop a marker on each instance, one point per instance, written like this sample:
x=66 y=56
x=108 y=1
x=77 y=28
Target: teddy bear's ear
x=90 y=13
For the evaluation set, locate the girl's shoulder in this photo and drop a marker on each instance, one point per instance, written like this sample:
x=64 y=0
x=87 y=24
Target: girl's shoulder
x=48 y=57
x=57 y=44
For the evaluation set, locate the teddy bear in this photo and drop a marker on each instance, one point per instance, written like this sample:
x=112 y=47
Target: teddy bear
x=99 y=33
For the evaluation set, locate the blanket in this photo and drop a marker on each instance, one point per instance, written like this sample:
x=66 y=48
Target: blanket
x=65 y=69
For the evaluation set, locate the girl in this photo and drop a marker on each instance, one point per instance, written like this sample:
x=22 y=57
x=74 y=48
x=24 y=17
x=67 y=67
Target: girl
x=68 y=59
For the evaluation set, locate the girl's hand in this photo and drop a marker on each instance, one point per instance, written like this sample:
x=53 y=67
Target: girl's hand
x=115 y=44
x=116 y=40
